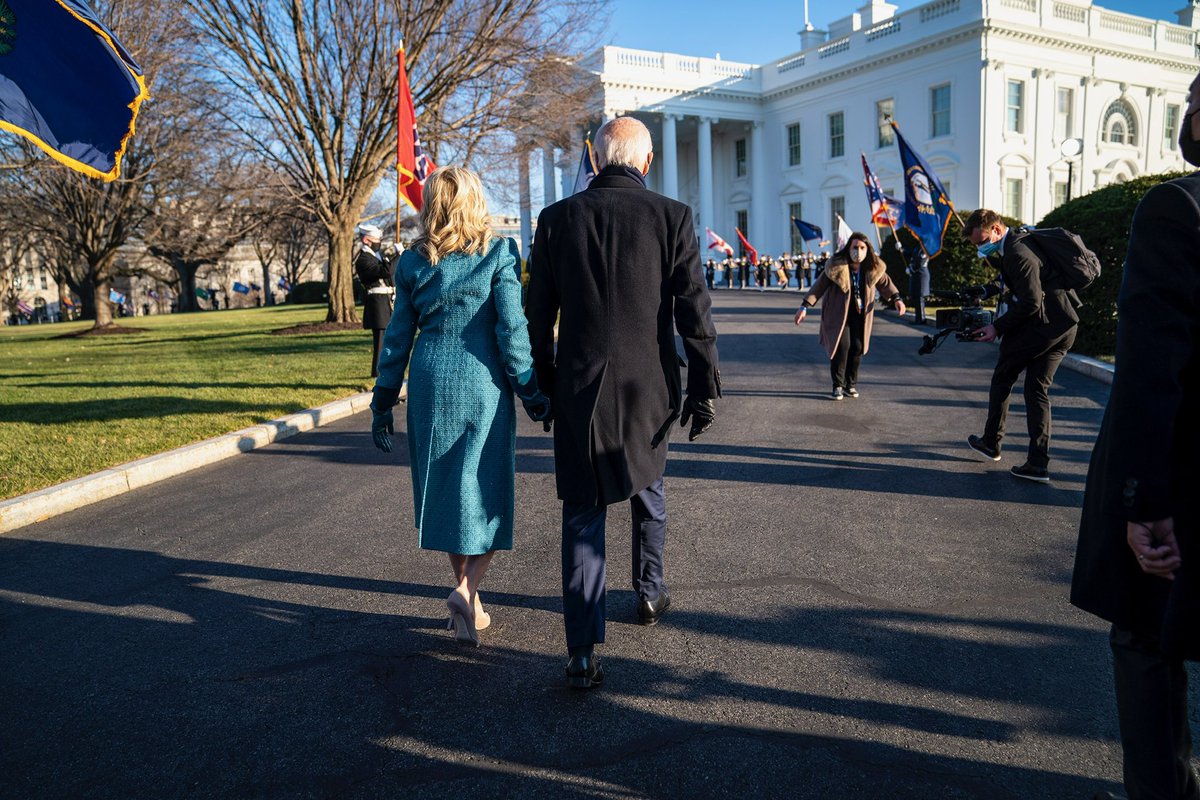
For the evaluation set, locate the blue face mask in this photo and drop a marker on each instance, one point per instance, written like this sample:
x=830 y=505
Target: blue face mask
x=988 y=249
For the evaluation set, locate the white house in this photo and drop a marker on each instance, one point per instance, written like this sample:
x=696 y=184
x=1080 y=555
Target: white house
x=987 y=91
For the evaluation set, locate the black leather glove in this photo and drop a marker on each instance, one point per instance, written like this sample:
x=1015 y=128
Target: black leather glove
x=701 y=412
x=382 y=422
x=536 y=404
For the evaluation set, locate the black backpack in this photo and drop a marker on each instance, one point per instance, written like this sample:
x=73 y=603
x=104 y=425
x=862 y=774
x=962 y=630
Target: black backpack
x=1067 y=263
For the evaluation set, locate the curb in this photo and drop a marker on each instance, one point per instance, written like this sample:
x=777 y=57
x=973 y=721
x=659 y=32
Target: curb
x=26 y=509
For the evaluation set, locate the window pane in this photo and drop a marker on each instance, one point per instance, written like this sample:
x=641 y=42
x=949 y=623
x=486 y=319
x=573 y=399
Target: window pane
x=793 y=139
x=743 y=224
x=939 y=97
x=1016 y=100
x=884 y=111
x=837 y=208
x=794 y=212
x=1064 y=127
x=739 y=157
x=1170 y=127
x=837 y=135
x=1060 y=193
x=1014 y=189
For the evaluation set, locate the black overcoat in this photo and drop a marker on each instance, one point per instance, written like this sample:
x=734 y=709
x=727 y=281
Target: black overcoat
x=622 y=265
x=1145 y=463
x=373 y=271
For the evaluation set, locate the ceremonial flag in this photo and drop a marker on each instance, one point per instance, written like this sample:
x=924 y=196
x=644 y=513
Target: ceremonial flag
x=201 y=293
x=808 y=231
x=885 y=211
x=68 y=302
x=241 y=288
x=411 y=162
x=718 y=243
x=24 y=307
x=927 y=207
x=254 y=287
x=843 y=233
x=67 y=84
x=283 y=284
x=116 y=297
x=152 y=294
x=749 y=247
x=587 y=168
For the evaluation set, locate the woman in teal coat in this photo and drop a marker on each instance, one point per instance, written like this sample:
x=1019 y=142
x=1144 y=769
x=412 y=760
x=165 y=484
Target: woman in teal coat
x=459 y=286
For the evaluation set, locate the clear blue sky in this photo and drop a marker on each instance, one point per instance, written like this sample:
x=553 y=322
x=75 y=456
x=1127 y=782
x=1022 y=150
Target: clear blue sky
x=757 y=31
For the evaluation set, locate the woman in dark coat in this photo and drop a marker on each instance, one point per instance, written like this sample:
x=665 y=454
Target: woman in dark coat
x=375 y=274
x=847 y=290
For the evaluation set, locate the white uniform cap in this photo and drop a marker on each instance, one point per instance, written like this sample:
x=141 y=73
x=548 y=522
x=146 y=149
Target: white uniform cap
x=374 y=231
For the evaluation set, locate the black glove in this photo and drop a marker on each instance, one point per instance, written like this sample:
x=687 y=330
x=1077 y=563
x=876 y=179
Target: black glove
x=382 y=422
x=701 y=412
x=537 y=405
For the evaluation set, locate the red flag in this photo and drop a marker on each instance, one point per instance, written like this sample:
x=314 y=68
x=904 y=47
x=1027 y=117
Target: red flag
x=411 y=162
x=749 y=247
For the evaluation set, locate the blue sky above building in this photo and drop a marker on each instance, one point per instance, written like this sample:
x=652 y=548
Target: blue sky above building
x=758 y=31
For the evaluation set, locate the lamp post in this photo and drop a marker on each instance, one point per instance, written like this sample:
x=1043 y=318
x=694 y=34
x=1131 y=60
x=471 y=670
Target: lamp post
x=1069 y=149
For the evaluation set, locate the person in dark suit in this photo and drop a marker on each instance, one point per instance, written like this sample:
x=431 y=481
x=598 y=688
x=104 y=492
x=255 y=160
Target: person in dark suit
x=375 y=274
x=1035 y=334
x=619 y=266
x=918 y=282
x=1137 y=564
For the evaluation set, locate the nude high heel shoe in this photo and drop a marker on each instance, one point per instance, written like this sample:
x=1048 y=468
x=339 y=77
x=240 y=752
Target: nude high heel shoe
x=462 y=619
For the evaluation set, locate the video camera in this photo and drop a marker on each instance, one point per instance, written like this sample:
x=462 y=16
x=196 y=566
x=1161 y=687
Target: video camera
x=963 y=321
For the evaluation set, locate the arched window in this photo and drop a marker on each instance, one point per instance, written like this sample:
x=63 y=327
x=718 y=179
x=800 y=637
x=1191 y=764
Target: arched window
x=1120 y=124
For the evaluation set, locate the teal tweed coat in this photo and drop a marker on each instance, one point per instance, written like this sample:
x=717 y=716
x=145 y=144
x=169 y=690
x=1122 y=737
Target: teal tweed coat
x=473 y=345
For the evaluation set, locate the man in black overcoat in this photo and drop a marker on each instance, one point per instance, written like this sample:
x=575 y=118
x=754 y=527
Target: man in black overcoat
x=622 y=265
x=1138 y=560
x=375 y=274
x=1036 y=333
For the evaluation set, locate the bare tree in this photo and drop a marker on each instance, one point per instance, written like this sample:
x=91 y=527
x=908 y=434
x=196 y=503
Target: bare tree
x=291 y=241
x=317 y=86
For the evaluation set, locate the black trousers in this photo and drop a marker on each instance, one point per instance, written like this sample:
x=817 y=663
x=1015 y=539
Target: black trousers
x=1039 y=358
x=1152 y=708
x=583 y=562
x=843 y=367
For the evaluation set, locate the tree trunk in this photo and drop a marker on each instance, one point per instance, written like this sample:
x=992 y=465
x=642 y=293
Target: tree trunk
x=268 y=291
x=341 y=275
x=187 y=285
x=103 y=306
x=87 y=296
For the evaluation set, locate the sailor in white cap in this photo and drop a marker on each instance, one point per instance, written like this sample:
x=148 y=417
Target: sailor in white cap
x=375 y=274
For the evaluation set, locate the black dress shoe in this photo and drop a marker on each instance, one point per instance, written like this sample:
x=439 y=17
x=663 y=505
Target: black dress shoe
x=584 y=672
x=650 y=610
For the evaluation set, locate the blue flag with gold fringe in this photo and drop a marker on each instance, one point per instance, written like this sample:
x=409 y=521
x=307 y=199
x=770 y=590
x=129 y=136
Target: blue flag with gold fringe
x=927 y=207
x=67 y=84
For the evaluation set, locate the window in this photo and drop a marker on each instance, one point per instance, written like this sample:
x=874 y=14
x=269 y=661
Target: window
x=1120 y=124
x=797 y=240
x=837 y=135
x=884 y=111
x=1014 y=190
x=1060 y=193
x=939 y=105
x=1014 y=117
x=1064 y=114
x=743 y=225
x=42 y=280
x=837 y=208
x=1171 y=127
x=793 y=145
x=739 y=158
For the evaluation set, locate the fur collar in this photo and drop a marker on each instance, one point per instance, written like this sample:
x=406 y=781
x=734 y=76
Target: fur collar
x=838 y=272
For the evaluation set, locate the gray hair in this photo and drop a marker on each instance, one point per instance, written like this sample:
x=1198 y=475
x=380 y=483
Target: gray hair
x=623 y=141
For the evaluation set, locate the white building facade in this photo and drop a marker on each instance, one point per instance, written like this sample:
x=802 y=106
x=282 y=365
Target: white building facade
x=986 y=90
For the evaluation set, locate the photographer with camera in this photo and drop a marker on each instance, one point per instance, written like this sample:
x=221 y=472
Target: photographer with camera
x=846 y=290
x=1035 y=334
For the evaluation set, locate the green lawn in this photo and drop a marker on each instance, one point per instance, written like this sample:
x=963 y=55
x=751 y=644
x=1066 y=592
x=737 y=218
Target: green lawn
x=69 y=407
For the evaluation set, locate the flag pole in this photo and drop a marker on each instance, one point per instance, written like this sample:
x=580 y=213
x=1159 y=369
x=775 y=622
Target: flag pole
x=399 y=63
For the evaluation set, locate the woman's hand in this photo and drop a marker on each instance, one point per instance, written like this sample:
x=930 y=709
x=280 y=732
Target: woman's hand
x=900 y=309
x=801 y=314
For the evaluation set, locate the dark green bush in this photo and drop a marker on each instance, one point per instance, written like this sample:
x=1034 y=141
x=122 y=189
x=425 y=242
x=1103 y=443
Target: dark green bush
x=956 y=266
x=309 y=292
x=1102 y=219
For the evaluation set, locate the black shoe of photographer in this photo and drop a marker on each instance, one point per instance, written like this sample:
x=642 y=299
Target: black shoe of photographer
x=984 y=449
x=1030 y=473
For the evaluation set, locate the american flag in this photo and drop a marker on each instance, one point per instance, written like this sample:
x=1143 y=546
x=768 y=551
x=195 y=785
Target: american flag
x=24 y=307
x=885 y=211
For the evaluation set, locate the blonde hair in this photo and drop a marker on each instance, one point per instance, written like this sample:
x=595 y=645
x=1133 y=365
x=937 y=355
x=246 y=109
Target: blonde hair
x=623 y=141
x=454 y=215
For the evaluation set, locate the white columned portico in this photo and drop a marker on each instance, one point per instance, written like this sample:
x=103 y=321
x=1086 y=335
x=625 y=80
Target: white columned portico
x=526 y=203
x=670 y=157
x=704 y=140
x=548 y=189
x=759 y=213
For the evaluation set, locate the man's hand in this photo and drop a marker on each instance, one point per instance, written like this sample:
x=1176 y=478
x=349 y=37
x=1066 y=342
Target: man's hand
x=382 y=428
x=1155 y=546
x=701 y=412
x=985 y=334
x=801 y=314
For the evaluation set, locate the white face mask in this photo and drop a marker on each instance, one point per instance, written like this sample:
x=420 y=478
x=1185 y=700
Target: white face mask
x=857 y=255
